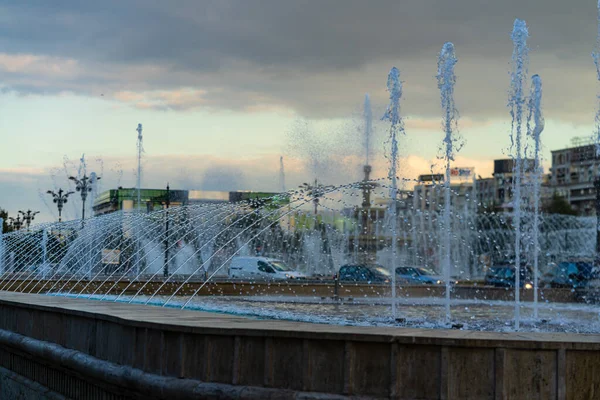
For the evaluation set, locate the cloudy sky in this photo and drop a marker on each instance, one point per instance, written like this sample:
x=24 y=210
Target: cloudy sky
x=224 y=88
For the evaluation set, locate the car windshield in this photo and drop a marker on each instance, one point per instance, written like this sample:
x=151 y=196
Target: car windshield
x=279 y=266
x=381 y=271
x=497 y=271
x=426 y=271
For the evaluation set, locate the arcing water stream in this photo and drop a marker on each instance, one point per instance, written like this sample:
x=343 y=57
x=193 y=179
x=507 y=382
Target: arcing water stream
x=171 y=257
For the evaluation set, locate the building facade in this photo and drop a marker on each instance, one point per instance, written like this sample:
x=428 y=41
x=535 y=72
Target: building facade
x=573 y=173
x=496 y=193
x=429 y=191
x=125 y=199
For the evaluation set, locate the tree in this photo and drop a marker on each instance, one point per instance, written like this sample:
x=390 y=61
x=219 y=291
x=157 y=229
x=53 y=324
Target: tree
x=5 y=226
x=558 y=205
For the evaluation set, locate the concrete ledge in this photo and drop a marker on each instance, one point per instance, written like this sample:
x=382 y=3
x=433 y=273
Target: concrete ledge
x=326 y=288
x=154 y=351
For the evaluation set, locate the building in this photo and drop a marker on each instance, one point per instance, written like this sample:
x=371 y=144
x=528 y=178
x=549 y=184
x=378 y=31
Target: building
x=573 y=172
x=486 y=192
x=429 y=192
x=126 y=199
x=155 y=199
x=497 y=192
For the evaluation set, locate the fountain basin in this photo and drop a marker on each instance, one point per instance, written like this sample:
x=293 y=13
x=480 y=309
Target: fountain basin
x=320 y=288
x=253 y=357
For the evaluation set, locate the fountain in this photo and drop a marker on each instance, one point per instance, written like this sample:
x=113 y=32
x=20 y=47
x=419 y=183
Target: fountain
x=516 y=103
x=396 y=127
x=365 y=242
x=281 y=175
x=446 y=81
x=179 y=256
x=535 y=117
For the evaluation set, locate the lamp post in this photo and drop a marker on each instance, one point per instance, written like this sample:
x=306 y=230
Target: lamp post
x=139 y=170
x=167 y=204
x=59 y=199
x=16 y=223
x=28 y=216
x=597 y=187
x=316 y=191
x=83 y=185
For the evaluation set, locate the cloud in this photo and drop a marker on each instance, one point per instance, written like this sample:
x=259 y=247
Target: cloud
x=178 y=99
x=316 y=59
x=19 y=174
x=435 y=124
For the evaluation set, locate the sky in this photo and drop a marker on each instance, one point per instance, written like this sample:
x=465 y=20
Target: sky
x=224 y=88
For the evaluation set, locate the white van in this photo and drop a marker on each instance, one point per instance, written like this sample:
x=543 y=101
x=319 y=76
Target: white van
x=261 y=268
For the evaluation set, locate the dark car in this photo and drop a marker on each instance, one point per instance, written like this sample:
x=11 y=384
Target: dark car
x=366 y=273
x=417 y=276
x=503 y=275
x=572 y=274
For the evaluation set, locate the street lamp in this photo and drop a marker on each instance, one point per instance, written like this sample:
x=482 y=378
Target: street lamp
x=16 y=223
x=83 y=185
x=167 y=204
x=60 y=199
x=316 y=191
x=28 y=216
x=597 y=188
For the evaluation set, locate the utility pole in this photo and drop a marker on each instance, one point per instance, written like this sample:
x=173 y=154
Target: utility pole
x=84 y=186
x=59 y=199
x=167 y=204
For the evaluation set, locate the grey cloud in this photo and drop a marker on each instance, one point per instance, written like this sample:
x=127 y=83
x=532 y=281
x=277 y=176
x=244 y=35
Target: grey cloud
x=313 y=56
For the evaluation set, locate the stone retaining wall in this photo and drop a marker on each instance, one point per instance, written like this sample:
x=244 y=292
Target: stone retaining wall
x=153 y=352
x=285 y=288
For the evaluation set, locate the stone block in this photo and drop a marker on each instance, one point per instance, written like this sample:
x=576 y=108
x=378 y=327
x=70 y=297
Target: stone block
x=370 y=370
x=325 y=369
x=24 y=320
x=79 y=334
x=139 y=358
x=250 y=361
x=194 y=356
x=418 y=372
x=173 y=353
x=530 y=374
x=285 y=364
x=470 y=374
x=53 y=327
x=37 y=327
x=153 y=360
x=127 y=345
x=11 y=316
x=103 y=342
x=220 y=353
x=582 y=375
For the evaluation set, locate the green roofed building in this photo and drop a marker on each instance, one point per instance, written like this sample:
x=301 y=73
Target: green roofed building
x=126 y=199
x=155 y=199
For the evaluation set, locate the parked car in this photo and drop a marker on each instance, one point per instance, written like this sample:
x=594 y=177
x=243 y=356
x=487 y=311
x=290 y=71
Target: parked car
x=262 y=268
x=547 y=275
x=573 y=274
x=417 y=276
x=503 y=275
x=367 y=273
